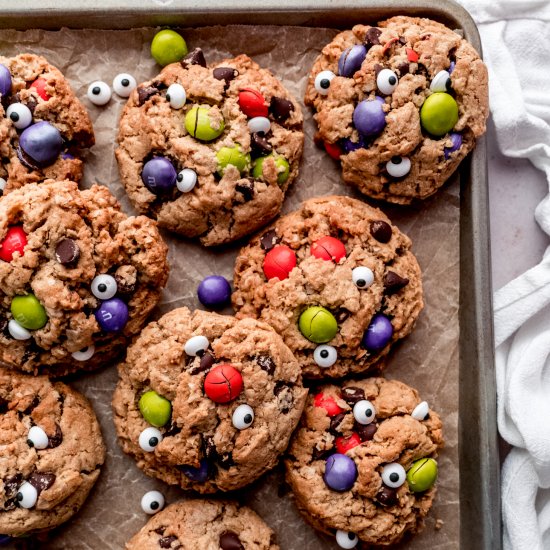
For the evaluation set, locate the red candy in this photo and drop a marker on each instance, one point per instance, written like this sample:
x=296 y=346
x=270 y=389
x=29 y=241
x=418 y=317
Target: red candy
x=327 y=403
x=344 y=444
x=388 y=44
x=223 y=383
x=279 y=262
x=328 y=248
x=333 y=150
x=252 y=103
x=40 y=86
x=411 y=55
x=14 y=241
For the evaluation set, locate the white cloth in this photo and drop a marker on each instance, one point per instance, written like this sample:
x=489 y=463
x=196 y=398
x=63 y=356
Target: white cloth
x=516 y=46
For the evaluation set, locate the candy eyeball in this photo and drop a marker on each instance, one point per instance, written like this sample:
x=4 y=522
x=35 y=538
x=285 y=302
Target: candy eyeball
x=394 y=475
x=18 y=332
x=20 y=115
x=84 y=354
x=3 y=184
x=37 y=438
x=362 y=276
x=176 y=96
x=345 y=539
x=26 y=496
x=104 y=287
x=124 y=84
x=398 y=167
x=364 y=412
x=325 y=356
x=243 y=417
x=322 y=81
x=441 y=82
x=196 y=345
x=99 y=93
x=421 y=411
x=387 y=81
x=259 y=124
x=186 y=180
x=152 y=502
x=149 y=439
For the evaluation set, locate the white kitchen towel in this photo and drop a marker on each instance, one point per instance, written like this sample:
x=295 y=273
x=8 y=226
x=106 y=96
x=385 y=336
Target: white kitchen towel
x=516 y=46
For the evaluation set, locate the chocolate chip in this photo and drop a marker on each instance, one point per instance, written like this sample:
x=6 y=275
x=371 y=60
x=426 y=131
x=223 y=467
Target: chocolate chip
x=336 y=420
x=226 y=461
x=123 y=286
x=160 y=530
x=225 y=73
x=11 y=485
x=372 y=36
x=341 y=315
x=381 y=231
x=387 y=496
x=210 y=450
x=67 y=252
x=56 y=439
x=402 y=40
x=394 y=283
x=366 y=432
x=266 y=363
x=166 y=542
x=206 y=361
x=352 y=395
x=230 y=541
x=403 y=69
x=33 y=405
x=145 y=93
x=260 y=145
x=377 y=69
x=268 y=240
x=196 y=57
x=3 y=406
x=280 y=108
x=31 y=104
x=41 y=481
x=285 y=397
x=173 y=430
x=246 y=189
x=321 y=454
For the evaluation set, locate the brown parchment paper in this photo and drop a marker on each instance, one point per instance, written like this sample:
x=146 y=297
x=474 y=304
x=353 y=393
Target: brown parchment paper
x=427 y=360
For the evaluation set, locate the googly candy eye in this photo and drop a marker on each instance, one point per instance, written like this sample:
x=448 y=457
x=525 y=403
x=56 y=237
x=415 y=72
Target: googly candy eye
x=186 y=180
x=364 y=412
x=104 y=287
x=325 y=356
x=398 y=167
x=124 y=84
x=345 y=539
x=259 y=124
x=37 y=438
x=421 y=411
x=322 y=81
x=243 y=416
x=149 y=439
x=99 y=93
x=152 y=502
x=196 y=345
x=27 y=495
x=18 y=332
x=20 y=115
x=84 y=354
x=362 y=276
x=387 y=81
x=394 y=475
x=3 y=184
x=441 y=82
x=176 y=96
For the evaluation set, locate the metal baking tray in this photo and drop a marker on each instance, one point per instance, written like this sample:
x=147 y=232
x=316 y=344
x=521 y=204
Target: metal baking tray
x=478 y=444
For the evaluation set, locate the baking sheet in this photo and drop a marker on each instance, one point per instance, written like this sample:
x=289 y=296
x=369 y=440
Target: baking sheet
x=428 y=360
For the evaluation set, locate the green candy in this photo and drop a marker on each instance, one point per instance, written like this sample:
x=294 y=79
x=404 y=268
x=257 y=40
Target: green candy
x=439 y=114
x=168 y=47
x=283 y=168
x=155 y=408
x=422 y=475
x=29 y=312
x=200 y=124
x=235 y=156
x=318 y=324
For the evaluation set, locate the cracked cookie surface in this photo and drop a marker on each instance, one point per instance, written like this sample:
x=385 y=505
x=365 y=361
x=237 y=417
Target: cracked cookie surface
x=219 y=208
x=367 y=240
x=202 y=444
x=61 y=463
x=71 y=237
x=414 y=51
x=371 y=510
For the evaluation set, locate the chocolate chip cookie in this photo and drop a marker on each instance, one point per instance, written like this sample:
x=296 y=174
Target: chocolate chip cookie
x=361 y=465
x=336 y=280
x=77 y=277
x=205 y=524
x=399 y=104
x=209 y=151
x=44 y=128
x=52 y=452
x=207 y=402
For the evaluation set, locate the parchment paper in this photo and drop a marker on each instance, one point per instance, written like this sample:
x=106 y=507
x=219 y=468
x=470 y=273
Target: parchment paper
x=427 y=360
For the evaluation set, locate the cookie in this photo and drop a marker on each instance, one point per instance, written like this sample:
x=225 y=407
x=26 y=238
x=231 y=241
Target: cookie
x=209 y=151
x=205 y=524
x=52 y=452
x=77 y=277
x=44 y=128
x=400 y=105
x=336 y=280
x=361 y=464
x=207 y=402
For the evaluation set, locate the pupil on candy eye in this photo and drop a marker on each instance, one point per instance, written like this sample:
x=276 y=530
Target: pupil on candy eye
x=102 y=287
x=361 y=282
x=394 y=477
x=325 y=83
x=368 y=412
x=396 y=160
x=167 y=97
x=14 y=117
x=351 y=536
x=125 y=82
x=180 y=177
x=154 y=505
x=96 y=90
x=248 y=418
x=30 y=443
x=448 y=84
x=19 y=497
x=324 y=354
x=153 y=442
x=392 y=80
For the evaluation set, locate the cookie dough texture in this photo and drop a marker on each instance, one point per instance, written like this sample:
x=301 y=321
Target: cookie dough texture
x=398 y=438
x=128 y=248
x=63 y=110
x=436 y=47
x=194 y=524
x=216 y=210
x=65 y=471
x=317 y=282
x=199 y=428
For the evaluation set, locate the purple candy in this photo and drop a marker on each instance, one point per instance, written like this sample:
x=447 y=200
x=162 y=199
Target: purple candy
x=42 y=142
x=159 y=175
x=369 y=117
x=350 y=146
x=112 y=315
x=200 y=474
x=451 y=67
x=214 y=291
x=5 y=80
x=378 y=334
x=351 y=60
x=340 y=472
x=67 y=156
x=456 y=140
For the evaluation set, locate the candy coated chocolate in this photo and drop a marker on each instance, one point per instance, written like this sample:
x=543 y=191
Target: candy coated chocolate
x=112 y=315
x=168 y=47
x=159 y=175
x=252 y=103
x=340 y=472
x=28 y=312
x=328 y=248
x=351 y=60
x=369 y=117
x=344 y=444
x=333 y=150
x=318 y=324
x=279 y=262
x=201 y=125
x=328 y=403
x=155 y=408
x=14 y=241
x=42 y=142
x=223 y=383
x=198 y=475
x=214 y=291
x=40 y=86
x=378 y=334
x=456 y=144
x=281 y=164
x=5 y=80
x=234 y=156
x=422 y=475
x=439 y=114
